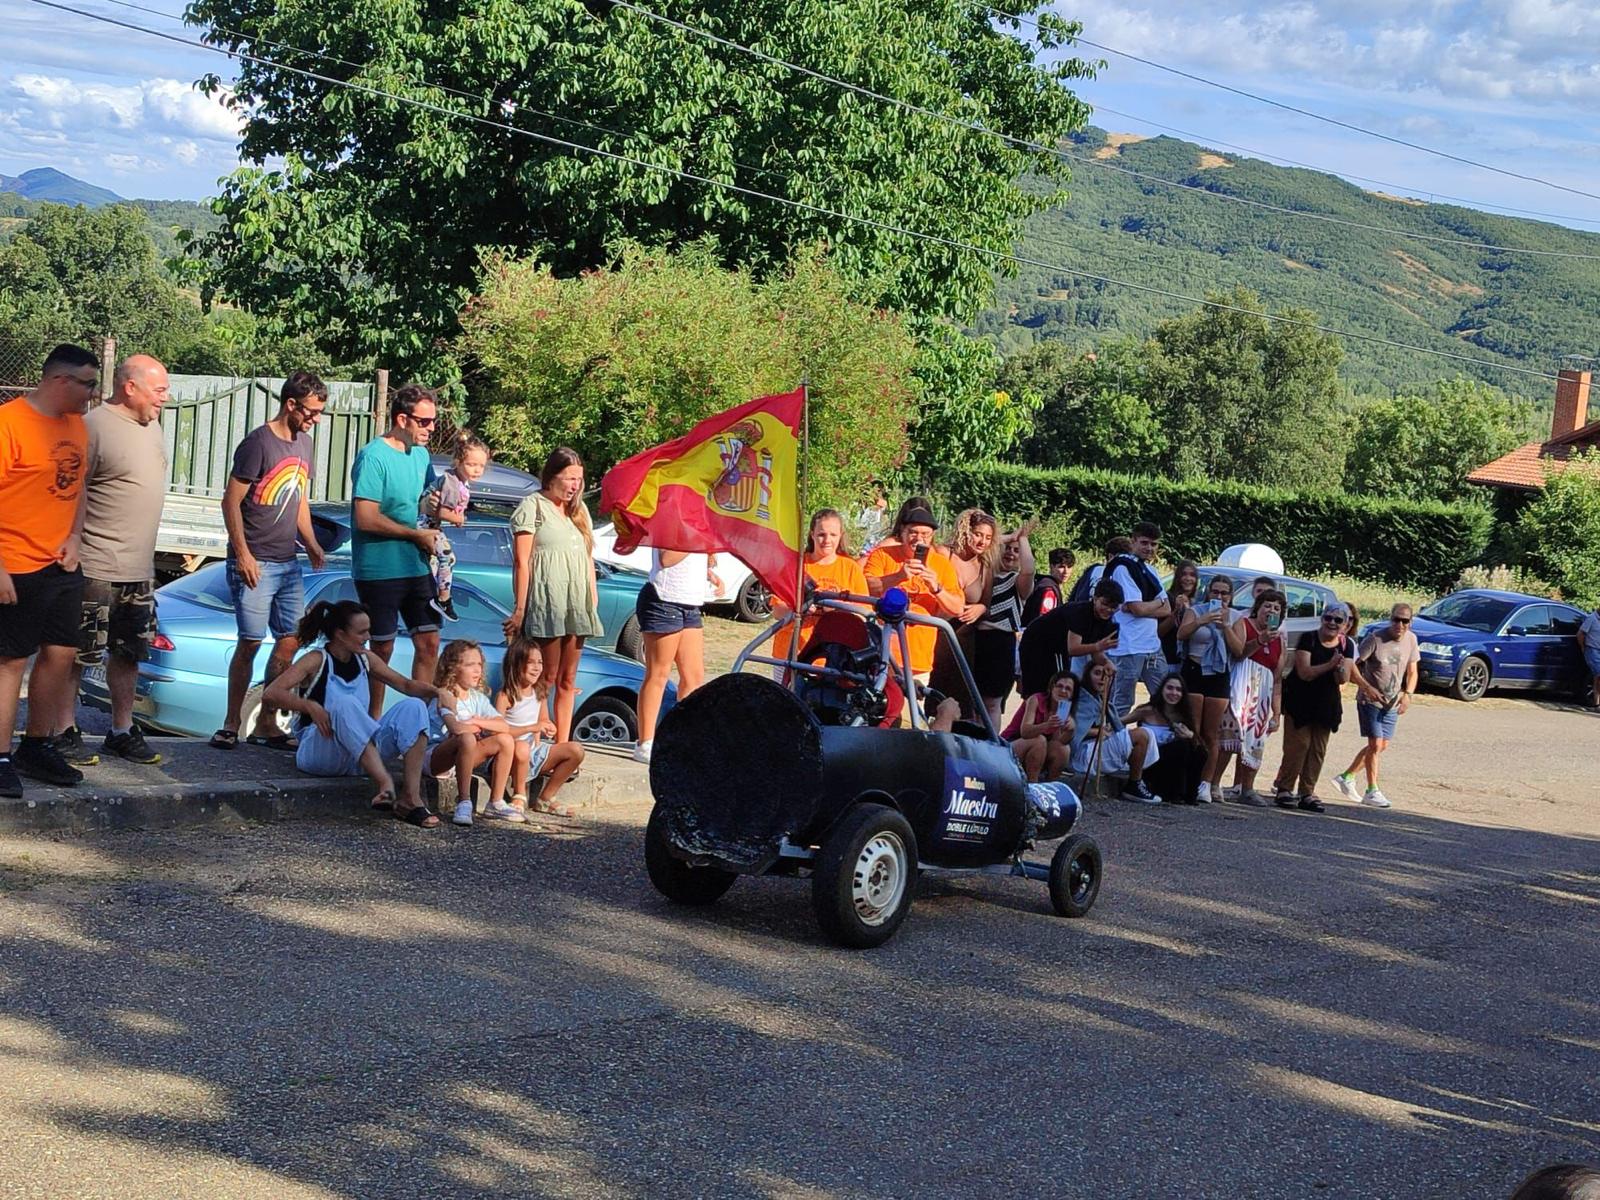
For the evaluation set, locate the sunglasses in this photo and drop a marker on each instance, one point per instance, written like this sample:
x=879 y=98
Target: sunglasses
x=425 y=422
x=306 y=410
x=1400 y=620
x=1333 y=620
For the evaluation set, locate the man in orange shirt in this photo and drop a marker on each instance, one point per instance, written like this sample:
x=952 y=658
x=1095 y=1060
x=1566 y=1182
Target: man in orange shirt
x=908 y=560
x=44 y=445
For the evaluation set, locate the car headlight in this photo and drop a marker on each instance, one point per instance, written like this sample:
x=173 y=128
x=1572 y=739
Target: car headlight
x=1439 y=649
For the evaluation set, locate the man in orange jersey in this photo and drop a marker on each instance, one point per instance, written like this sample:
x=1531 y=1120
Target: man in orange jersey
x=44 y=446
x=908 y=560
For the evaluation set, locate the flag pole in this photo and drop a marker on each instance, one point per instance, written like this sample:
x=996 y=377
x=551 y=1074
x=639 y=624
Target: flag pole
x=802 y=489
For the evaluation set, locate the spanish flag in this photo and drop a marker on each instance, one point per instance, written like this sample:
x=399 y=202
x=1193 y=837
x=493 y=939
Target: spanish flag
x=729 y=484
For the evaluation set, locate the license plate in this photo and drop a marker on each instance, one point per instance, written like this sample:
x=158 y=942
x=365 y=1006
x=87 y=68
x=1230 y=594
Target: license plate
x=95 y=675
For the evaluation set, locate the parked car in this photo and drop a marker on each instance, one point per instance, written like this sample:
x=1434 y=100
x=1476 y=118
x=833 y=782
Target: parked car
x=501 y=486
x=1478 y=638
x=483 y=559
x=183 y=688
x=1306 y=599
x=740 y=588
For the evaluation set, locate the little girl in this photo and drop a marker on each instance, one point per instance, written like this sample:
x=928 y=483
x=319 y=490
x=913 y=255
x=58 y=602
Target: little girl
x=453 y=491
x=521 y=705
x=470 y=733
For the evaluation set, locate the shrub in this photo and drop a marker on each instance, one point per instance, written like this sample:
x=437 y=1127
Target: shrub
x=1400 y=542
x=1559 y=532
x=1502 y=578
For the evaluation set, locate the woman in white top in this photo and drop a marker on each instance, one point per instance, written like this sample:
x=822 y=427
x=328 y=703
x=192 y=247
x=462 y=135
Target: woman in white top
x=670 y=620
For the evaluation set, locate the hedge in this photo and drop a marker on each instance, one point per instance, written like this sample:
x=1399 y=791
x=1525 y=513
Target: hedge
x=1405 y=543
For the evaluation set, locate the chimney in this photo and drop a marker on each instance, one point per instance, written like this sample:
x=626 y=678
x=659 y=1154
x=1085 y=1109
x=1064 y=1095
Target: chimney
x=1572 y=403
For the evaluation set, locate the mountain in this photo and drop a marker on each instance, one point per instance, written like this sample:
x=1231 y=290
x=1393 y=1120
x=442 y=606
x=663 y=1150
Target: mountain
x=47 y=183
x=1504 y=307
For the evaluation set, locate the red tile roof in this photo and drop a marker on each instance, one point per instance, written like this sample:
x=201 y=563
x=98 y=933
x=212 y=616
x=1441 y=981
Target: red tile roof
x=1527 y=466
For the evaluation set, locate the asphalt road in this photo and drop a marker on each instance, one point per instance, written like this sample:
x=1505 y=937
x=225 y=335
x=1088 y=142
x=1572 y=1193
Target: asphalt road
x=1263 y=1004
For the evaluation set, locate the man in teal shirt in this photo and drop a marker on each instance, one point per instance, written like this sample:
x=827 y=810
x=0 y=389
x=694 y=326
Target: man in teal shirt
x=390 y=556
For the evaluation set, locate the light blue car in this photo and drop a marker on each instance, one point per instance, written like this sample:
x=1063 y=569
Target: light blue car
x=184 y=687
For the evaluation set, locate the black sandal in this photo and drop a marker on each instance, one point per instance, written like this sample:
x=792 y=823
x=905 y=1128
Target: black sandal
x=273 y=741
x=225 y=739
x=418 y=815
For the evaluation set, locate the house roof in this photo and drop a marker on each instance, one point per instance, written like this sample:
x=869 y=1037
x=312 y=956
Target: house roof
x=1527 y=466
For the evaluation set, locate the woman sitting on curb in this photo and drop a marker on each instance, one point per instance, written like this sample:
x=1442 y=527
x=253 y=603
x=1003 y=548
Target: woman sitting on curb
x=328 y=689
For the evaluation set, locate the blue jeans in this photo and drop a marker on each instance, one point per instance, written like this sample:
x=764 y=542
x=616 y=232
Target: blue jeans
x=1131 y=668
x=275 y=604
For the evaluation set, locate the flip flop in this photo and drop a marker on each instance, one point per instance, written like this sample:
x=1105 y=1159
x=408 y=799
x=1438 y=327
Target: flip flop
x=274 y=741
x=383 y=801
x=417 y=815
x=550 y=808
x=224 y=739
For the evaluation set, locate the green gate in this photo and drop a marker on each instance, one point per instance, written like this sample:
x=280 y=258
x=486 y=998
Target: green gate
x=206 y=416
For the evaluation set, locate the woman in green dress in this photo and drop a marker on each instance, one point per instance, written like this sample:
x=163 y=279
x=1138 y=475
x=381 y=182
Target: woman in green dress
x=555 y=600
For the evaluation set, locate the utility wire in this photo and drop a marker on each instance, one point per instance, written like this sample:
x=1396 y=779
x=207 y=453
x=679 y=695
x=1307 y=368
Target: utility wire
x=1307 y=112
x=821 y=210
x=1041 y=148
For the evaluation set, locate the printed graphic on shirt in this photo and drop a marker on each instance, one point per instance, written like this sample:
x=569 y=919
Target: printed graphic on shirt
x=67 y=457
x=281 y=486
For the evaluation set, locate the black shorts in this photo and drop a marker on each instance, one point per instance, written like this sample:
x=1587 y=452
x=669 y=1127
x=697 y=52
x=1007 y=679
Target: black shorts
x=119 y=617
x=663 y=616
x=994 y=662
x=49 y=605
x=1212 y=687
x=393 y=602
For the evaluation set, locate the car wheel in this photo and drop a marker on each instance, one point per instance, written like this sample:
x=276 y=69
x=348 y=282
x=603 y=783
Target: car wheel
x=630 y=642
x=605 y=721
x=754 y=603
x=251 y=709
x=675 y=879
x=861 y=887
x=1472 y=679
x=1075 y=876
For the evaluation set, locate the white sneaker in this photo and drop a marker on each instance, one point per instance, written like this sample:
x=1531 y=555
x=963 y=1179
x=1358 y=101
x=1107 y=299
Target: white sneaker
x=463 y=813
x=1202 y=794
x=1375 y=799
x=499 y=810
x=641 y=752
x=1347 y=787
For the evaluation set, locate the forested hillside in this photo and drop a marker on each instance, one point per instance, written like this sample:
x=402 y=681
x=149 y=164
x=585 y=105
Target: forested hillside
x=1516 y=308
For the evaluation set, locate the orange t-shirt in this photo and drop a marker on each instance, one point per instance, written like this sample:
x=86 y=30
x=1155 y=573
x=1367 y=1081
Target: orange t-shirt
x=843 y=574
x=887 y=560
x=41 y=476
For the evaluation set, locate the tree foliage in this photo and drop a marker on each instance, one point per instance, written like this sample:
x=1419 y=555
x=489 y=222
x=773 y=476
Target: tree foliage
x=964 y=417
x=1558 y=532
x=1423 y=447
x=621 y=359
x=370 y=231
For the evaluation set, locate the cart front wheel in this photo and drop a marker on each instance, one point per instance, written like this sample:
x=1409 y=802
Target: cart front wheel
x=861 y=887
x=1075 y=876
x=675 y=879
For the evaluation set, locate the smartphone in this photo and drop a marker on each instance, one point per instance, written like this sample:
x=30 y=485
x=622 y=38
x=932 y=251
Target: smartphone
x=1063 y=710
x=920 y=553
x=1274 y=620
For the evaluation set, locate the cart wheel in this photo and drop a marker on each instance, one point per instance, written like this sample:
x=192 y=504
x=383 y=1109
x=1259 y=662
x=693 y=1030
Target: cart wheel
x=861 y=887
x=676 y=879
x=1075 y=876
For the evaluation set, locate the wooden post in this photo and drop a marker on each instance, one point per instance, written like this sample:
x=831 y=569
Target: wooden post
x=380 y=402
x=108 y=366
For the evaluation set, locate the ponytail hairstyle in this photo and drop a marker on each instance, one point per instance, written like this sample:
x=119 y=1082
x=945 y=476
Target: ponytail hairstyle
x=467 y=441
x=326 y=618
x=444 y=675
x=517 y=655
x=577 y=512
x=829 y=514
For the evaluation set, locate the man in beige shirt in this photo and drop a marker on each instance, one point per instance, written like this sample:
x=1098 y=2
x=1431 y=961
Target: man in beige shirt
x=124 y=486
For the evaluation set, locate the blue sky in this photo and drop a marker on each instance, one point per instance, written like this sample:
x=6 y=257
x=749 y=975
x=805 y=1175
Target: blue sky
x=1511 y=82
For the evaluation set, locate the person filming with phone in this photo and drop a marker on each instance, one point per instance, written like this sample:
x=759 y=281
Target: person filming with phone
x=1067 y=636
x=909 y=561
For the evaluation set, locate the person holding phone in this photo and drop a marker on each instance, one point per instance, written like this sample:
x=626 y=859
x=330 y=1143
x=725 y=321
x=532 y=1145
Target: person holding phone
x=1083 y=630
x=1208 y=675
x=909 y=561
x=1312 y=706
x=1255 y=697
x=1041 y=733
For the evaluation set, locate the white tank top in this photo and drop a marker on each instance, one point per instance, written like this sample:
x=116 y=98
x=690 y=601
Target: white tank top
x=681 y=583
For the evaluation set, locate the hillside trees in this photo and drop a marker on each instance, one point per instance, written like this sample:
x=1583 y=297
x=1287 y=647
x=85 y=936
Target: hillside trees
x=370 y=232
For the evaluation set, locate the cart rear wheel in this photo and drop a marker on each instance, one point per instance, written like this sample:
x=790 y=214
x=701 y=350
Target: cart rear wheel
x=1075 y=876
x=676 y=879
x=861 y=887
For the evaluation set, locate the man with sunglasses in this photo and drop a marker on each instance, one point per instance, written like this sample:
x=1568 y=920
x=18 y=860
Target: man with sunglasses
x=391 y=558
x=44 y=447
x=1386 y=675
x=267 y=510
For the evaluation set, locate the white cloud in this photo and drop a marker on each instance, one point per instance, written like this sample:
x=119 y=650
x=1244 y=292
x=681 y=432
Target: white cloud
x=152 y=106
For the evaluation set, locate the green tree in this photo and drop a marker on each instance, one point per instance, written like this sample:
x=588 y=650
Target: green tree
x=964 y=417
x=1423 y=447
x=369 y=234
x=620 y=359
x=1093 y=409
x=1558 y=532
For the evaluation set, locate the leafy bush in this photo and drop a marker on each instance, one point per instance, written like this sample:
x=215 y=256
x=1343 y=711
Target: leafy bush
x=1398 y=542
x=1503 y=578
x=1559 y=531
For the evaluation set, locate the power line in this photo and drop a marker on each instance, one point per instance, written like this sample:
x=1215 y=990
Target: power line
x=1207 y=140
x=871 y=222
x=1041 y=148
x=1307 y=112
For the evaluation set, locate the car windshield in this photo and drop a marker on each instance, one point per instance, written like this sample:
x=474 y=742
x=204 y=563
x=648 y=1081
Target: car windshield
x=207 y=587
x=1470 y=611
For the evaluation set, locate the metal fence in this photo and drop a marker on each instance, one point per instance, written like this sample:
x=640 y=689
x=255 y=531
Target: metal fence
x=20 y=360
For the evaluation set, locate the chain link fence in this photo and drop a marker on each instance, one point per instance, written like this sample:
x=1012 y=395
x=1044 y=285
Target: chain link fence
x=20 y=360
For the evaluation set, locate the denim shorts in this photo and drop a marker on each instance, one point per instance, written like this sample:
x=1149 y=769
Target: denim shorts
x=1591 y=655
x=274 y=605
x=1377 y=722
x=663 y=616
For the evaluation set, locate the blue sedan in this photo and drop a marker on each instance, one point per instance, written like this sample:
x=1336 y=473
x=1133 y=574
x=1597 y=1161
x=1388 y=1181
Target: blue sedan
x=184 y=687
x=1476 y=639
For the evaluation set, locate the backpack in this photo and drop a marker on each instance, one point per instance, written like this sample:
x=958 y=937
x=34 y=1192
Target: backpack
x=1140 y=572
x=1083 y=586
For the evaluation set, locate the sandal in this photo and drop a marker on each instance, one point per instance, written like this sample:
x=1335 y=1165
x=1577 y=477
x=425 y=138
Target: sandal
x=225 y=739
x=550 y=808
x=383 y=801
x=418 y=815
x=275 y=741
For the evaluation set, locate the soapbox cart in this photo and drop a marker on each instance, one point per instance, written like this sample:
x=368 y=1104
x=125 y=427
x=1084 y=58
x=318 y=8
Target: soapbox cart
x=815 y=776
